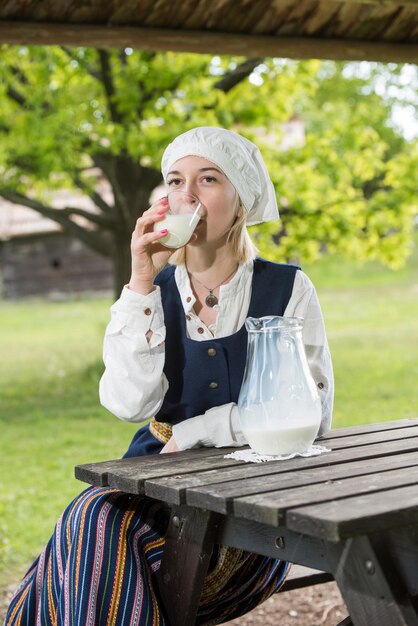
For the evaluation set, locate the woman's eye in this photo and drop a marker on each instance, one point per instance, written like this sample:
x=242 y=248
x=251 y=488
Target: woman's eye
x=209 y=179
x=174 y=182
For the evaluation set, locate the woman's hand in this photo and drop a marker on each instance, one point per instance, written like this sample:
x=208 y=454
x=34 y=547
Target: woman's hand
x=148 y=256
x=170 y=446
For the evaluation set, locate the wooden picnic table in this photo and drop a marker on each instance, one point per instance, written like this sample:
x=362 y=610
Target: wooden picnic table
x=352 y=512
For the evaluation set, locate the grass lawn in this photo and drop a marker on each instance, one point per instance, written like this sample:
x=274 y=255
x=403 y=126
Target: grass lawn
x=371 y=316
x=50 y=418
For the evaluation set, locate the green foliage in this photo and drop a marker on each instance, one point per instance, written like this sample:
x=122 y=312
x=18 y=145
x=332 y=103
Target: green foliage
x=351 y=188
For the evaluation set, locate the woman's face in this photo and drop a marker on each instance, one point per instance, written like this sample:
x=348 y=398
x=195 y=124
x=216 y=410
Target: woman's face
x=205 y=180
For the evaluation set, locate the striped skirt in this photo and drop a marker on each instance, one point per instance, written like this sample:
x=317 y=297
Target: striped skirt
x=99 y=569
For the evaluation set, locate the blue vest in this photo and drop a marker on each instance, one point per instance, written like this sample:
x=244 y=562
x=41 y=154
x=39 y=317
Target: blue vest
x=205 y=374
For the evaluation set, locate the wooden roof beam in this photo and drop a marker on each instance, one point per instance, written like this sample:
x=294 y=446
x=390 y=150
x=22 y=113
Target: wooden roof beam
x=383 y=3
x=205 y=42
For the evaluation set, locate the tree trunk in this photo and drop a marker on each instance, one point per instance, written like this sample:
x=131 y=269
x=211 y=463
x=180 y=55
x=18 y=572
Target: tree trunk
x=132 y=185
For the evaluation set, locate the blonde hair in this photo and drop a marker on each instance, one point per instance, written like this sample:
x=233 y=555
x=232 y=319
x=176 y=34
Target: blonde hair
x=242 y=246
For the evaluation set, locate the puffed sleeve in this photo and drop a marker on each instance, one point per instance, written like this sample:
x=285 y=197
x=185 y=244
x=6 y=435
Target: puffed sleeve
x=133 y=384
x=304 y=303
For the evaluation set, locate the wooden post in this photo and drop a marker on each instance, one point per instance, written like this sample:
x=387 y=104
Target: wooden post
x=364 y=570
x=188 y=548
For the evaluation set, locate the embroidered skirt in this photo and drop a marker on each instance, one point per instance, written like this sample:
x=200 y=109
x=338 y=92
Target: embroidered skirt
x=99 y=569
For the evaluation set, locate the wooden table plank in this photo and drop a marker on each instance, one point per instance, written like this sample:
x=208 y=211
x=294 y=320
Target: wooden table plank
x=371 y=428
x=340 y=519
x=273 y=508
x=173 y=488
x=259 y=495
x=130 y=480
x=158 y=465
x=363 y=439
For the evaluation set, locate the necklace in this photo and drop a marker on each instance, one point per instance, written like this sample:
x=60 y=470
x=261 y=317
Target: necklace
x=211 y=299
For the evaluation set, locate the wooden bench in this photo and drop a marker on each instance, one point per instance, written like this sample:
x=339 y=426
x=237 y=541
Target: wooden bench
x=300 y=576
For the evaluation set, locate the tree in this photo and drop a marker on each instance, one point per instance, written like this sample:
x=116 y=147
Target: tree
x=70 y=117
x=352 y=187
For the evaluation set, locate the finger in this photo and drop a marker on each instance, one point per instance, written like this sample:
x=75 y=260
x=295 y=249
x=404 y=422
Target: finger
x=161 y=202
x=148 y=238
x=147 y=221
x=159 y=205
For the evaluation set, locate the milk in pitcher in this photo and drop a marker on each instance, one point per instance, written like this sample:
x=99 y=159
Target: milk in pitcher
x=281 y=441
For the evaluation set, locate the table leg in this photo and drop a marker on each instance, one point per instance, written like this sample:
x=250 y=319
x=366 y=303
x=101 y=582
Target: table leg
x=188 y=548
x=373 y=590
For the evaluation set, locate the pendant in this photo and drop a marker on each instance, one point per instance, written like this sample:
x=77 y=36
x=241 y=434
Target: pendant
x=211 y=300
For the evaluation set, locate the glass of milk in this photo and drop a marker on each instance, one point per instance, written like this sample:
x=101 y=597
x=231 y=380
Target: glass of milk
x=279 y=406
x=184 y=214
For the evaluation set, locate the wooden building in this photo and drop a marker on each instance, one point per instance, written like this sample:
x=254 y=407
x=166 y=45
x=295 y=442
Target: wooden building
x=38 y=259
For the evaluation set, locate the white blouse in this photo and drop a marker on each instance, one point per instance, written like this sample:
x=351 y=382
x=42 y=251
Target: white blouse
x=133 y=385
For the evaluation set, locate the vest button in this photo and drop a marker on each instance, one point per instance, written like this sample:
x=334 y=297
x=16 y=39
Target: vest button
x=212 y=352
x=188 y=299
x=321 y=385
x=147 y=311
x=200 y=330
x=213 y=385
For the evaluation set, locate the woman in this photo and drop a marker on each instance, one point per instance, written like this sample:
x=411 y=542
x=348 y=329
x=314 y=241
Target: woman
x=176 y=355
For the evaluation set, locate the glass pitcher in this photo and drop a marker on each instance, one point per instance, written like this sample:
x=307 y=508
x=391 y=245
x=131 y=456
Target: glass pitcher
x=279 y=406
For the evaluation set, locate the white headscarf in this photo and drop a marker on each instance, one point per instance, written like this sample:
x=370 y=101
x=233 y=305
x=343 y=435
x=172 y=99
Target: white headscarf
x=239 y=159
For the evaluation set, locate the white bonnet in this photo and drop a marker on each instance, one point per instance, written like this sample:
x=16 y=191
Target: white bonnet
x=239 y=159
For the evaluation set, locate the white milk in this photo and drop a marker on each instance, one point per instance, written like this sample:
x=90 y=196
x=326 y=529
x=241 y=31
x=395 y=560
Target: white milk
x=180 y=229
x=286 y=428
x=285 y=440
